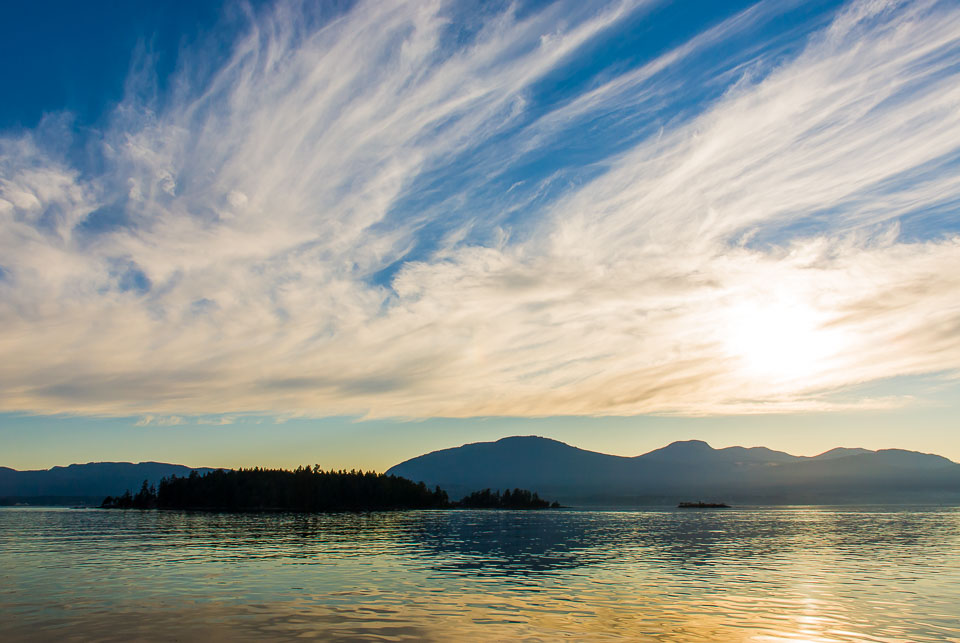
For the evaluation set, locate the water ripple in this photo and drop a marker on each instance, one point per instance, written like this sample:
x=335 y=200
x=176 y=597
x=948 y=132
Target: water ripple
x=774 y=574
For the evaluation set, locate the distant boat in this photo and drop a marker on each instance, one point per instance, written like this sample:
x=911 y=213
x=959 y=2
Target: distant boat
x=702 y=505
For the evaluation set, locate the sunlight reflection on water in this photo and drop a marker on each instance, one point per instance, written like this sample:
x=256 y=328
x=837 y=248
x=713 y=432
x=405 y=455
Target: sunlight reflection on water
x=783 y=574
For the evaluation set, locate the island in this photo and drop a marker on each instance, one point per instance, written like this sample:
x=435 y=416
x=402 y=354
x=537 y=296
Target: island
x=517 y=499
x=309 y=489
x=702 y=505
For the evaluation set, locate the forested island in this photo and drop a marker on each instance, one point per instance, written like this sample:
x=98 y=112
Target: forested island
x=516 y=499
x=309 y=489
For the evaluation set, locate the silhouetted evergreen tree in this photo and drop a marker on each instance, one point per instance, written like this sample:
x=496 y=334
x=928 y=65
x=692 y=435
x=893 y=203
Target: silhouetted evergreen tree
x=516 y=499
x=146 y=498
x=309 y=489
x=304 y=489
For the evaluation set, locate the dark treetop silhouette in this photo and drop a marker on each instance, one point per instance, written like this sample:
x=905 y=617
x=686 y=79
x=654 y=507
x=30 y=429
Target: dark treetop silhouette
x=308 y=489
x=517 y=499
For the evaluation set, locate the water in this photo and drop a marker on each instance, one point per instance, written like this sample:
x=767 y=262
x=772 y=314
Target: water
x=783 y=574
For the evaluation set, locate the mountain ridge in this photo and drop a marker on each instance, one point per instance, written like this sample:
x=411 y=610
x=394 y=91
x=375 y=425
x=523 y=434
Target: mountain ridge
x=687 y=468
x=84 y=483
x=681 y=470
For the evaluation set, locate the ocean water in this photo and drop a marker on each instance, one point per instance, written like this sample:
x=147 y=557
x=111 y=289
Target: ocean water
x=763 y=574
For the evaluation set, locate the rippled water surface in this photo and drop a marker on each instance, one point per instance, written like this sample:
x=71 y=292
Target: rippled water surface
x=810 y=574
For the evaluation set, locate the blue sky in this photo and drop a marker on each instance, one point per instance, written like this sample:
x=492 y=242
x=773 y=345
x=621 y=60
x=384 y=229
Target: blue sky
x=237 y=234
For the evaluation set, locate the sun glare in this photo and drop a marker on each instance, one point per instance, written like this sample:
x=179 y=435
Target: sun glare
x=783 y=341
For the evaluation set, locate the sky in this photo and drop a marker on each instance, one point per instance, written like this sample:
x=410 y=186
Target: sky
x=348 y=233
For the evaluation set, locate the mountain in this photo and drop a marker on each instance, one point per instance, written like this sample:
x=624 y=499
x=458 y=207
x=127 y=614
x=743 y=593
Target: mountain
x=840 y=452
x=540 y=463
x=688 y=470
x=698 y=450
x=83 y=483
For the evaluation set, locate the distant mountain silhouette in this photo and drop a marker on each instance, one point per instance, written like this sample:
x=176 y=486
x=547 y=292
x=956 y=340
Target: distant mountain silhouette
x=83 y=483
x=688 y=470
x=840 y=452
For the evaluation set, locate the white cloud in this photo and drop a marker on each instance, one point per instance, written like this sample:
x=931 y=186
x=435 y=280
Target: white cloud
x=163 y=420
x=259 y=209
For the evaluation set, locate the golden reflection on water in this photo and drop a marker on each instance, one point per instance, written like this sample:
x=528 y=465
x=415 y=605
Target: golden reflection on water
x=800 y=574
x=476 y=619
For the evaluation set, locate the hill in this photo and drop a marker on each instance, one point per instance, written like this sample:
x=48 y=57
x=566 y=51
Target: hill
x=688 y=470
x=83 y=483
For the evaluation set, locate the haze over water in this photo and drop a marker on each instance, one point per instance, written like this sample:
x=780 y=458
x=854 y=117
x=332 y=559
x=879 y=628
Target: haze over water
x=798 y=573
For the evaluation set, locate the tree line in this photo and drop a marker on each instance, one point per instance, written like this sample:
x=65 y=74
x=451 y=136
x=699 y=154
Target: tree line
x=308 y=489
x=516 y=499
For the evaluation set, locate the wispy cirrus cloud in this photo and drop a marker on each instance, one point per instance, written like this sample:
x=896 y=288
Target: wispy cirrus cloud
x=392 y=212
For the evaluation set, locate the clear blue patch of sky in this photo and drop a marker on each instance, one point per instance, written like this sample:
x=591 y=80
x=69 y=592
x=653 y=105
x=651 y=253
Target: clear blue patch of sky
x=58 y=55
x=932 y=223
x=105 y=219
x=129 y=277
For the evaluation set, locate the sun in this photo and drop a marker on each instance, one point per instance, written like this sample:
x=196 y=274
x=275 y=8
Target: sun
x=781 y=341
